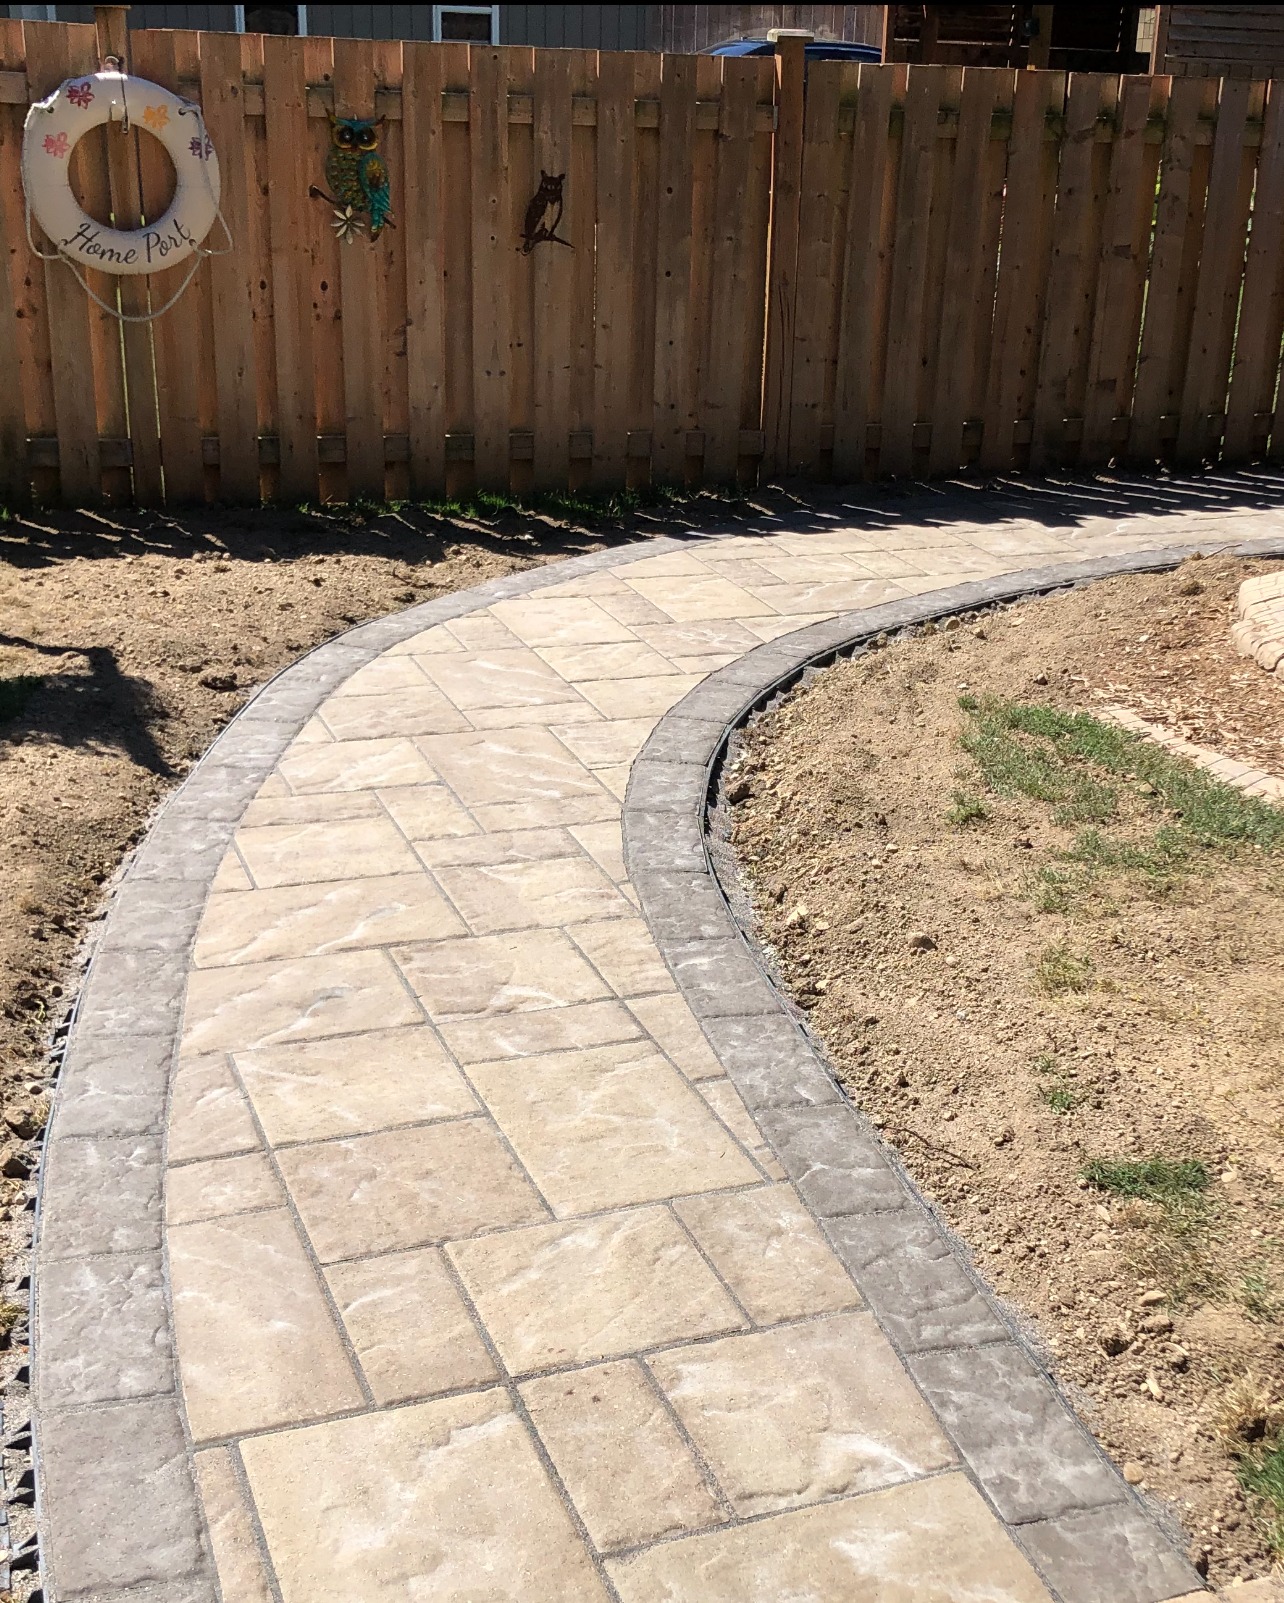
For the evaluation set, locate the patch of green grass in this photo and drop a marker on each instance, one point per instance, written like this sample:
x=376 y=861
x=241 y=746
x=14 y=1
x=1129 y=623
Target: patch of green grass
x=1259 y=1297
x=1060 y=969
x=966 y=808
x=1261 y=1472
x=1167 y=1181
x=1060 y=1098
x=1055 y=1091
x=15 y=692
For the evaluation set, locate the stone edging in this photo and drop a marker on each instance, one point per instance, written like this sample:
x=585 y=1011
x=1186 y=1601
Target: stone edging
x=118 y=1512
x=1045 y=1477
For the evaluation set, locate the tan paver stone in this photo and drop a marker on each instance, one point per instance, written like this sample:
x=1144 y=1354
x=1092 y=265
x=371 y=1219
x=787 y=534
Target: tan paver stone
x=256 y=1342
x=412 y=1334
x=638 y=698
x=534 y=813
x=212 y=1187
x=628 y=890
x=307 y=920
x=548 y=1029
x=838 y=595
x=626 y=659
x=431 y=641
x=713 y=638
x=300 y=854
x=503 y=846
x=690 y=600
x=729 y=1105
x=426 y=812
x=609 y=1125
x=559 y=621
x=565 y=712
x=257 y=1004
x=355 y=765
x=766 y=1247
x=672 y=1025
x=324 y=806
x=606 y=745
x=616 y=780
x=516 y=678
x=499 y=974
x=933 y=1542
x=208 y=1114
x=623 y=953
x=274 y=785
x=510 y=765
x=230 y=874
x=421 y=711
x=803 y=1412
x=236 y=1553
x=352 y=1084
x=604 y=845
x=667 y=565
x=632 y=609
x=482 y=631
x=630 y=1475
x=406 y=1188
x=545 y=894
x=385 y=674
x=704 y=665
x=773 y=628
x=313 y=733
x=442 y=1500
x=597 y=1288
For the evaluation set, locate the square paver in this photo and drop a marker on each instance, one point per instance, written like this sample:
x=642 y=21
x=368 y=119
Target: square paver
x=624 y=953
x=426 y=812
x=208 y=1113
x=609 y=1126
x=516 y=678
x=417 y=710
x=688 y=600
x=257 y=1344
x=509 y=765
x=630 y=1475
x=548 y=894
x=603 y=844
x=353 y=1084
x=354 y=765
x=499 y=974
x=606 y=744
x=438 y=1500
x=260 y=1004
x=673 y=1027
x=638 y=698
x=349 y=848
x=498 y=846
x=412 y=1334
x=559 y=621
x=626 y=659
x=308 y=920
x=598 y=1288
x=931 y=1542
x=539 y=1030
x=767 y=1248
x=406 y=1188
x=321 y=807
x=212 y=1187
x=802 y=1412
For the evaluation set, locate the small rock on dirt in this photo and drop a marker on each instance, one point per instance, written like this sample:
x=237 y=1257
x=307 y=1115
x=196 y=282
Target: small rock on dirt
x=14 y=1163
x=218 y=681
x=740 y=789
x=921 y=941
x=1133 y=1472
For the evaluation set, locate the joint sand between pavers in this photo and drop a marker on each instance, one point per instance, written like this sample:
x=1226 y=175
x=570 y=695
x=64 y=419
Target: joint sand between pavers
x=551 y=1257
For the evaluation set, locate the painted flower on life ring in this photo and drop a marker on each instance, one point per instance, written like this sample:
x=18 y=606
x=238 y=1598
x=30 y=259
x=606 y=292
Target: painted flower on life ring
x=202 y=149
x=56 y=144
x=81 y=94
x=156 y=116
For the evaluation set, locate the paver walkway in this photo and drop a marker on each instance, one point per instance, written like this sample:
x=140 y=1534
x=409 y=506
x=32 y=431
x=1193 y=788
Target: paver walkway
x=485 y=1284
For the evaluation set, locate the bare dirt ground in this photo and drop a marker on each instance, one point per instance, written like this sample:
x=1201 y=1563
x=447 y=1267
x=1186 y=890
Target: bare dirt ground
x=1017 y=989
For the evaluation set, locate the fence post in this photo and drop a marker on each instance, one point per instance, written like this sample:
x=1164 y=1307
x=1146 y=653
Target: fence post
x=782 y=271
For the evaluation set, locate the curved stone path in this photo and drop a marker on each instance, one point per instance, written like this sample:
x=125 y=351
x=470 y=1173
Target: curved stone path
x=443 y=1253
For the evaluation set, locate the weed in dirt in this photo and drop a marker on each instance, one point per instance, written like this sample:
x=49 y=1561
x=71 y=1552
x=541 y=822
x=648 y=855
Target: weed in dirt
x=15 y=692
x=1054 y=1089
x=1261 y=1472
x=10 y=1314
x=1260 y=1297
x=1060 y=968
x=966 y=808
x=1171 y=1182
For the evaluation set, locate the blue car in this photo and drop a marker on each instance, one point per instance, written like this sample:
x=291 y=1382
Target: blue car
x=816 y=50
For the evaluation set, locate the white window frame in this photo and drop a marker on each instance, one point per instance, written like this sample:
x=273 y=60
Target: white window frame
x=479 y=10
x=238 y=20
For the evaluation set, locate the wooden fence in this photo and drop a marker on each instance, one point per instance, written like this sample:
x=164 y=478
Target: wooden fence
x=880 y=271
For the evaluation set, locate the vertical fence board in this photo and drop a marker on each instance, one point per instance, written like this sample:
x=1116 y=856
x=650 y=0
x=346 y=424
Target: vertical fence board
x=222 y=102
x=1019 y=299
x=1161 y=359
x=457 y=269
x=21 y=397
x=782 y=287
x=1072 y=276
x=423 y=225
x=704 y=173
x=858 y=327
x=616 y=177
x=755 y=310
x=731 y=272
x=583 y=237
x=818 y=207
x=361 y=282
x=963 y=265
x=53 y=54
x=1261 y=321
x=1220 y=265
x=488 y=141
x=553 y=273
x=646 y=203
x=392 y=262
x=915 y=182
x=522 y=184
x=288 y=142
x=1121 y=277
x=945 y=163
x=674 y=415
x=325 y=298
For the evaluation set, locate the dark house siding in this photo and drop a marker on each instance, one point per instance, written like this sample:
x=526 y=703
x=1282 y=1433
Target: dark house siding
x=577 y=27
x=210 y=19
x=371 y=22
x=695 y=28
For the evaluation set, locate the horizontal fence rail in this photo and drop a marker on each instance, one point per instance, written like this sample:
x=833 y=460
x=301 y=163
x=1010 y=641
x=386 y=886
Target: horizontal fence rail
x=859 y=271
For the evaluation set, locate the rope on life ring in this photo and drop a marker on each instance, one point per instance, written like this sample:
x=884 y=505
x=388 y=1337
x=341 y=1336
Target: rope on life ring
x=51 y=132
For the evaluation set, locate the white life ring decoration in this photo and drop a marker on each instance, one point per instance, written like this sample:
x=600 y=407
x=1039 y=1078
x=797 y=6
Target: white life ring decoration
x=49 y=136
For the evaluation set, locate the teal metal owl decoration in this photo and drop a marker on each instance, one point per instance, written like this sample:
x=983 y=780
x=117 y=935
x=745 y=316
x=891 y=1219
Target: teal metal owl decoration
x=358 y=178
